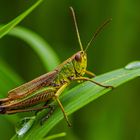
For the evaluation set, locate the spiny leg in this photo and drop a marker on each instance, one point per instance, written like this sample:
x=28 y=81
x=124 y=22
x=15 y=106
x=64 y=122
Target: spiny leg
x=64 y=113
x=27 y=105
x=56 y=97
x=88 y=79
x=36 y=109
x=26 y=110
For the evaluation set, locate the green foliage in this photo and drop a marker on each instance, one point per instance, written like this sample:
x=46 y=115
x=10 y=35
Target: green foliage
x=6 y=28
x=39 y=45
x=78 y=97
x=113 y=117
x=55 y=136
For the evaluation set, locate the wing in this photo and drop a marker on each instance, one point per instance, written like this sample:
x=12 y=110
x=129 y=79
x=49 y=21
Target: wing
x=33 y=85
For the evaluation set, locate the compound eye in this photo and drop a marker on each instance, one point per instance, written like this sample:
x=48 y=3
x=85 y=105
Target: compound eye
x=78 y=57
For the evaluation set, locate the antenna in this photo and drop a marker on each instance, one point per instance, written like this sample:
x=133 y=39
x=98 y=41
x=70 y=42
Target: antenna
x=97 y=32
x=76 y=27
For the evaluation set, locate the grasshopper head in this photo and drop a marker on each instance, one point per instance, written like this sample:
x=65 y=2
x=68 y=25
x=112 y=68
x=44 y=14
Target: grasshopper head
x=80 y=63
x=80 y=58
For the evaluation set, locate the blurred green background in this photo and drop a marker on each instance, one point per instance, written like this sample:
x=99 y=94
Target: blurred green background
x=115 y=116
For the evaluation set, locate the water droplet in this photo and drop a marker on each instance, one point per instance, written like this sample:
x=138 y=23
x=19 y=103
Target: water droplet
x=133 y=65
x=24 y=125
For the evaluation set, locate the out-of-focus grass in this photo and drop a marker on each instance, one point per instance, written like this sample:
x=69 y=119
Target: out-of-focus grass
x=6 y=28
x=116 y=46
x=39 y=45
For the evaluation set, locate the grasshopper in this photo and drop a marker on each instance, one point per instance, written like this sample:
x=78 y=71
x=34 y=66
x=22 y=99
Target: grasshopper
x=49 y=86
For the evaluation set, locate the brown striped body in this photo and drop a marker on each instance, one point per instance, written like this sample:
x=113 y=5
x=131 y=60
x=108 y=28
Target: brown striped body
x=25 y=95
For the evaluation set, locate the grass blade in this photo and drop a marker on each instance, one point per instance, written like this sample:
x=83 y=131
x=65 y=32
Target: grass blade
x=78 y=97
x=55 y=136
x=6 y=28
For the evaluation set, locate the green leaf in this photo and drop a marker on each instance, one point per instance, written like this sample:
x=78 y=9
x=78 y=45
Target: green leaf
x=55 y=136
x=39 y=45
x=6 y=28
x=78 y=97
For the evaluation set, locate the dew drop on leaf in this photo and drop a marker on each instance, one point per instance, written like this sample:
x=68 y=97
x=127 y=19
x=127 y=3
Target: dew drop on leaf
x=133 y=65
x=24 y=125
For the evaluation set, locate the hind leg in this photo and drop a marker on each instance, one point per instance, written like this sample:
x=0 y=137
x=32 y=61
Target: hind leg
x=45 y=118
x=12 y=111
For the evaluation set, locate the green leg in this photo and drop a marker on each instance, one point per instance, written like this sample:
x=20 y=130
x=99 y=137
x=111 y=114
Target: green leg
x=56 y=97
x=90 y=73
x=88 y=79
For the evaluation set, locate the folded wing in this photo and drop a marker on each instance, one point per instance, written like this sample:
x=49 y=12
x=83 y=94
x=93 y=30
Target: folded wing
x=30 y=87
